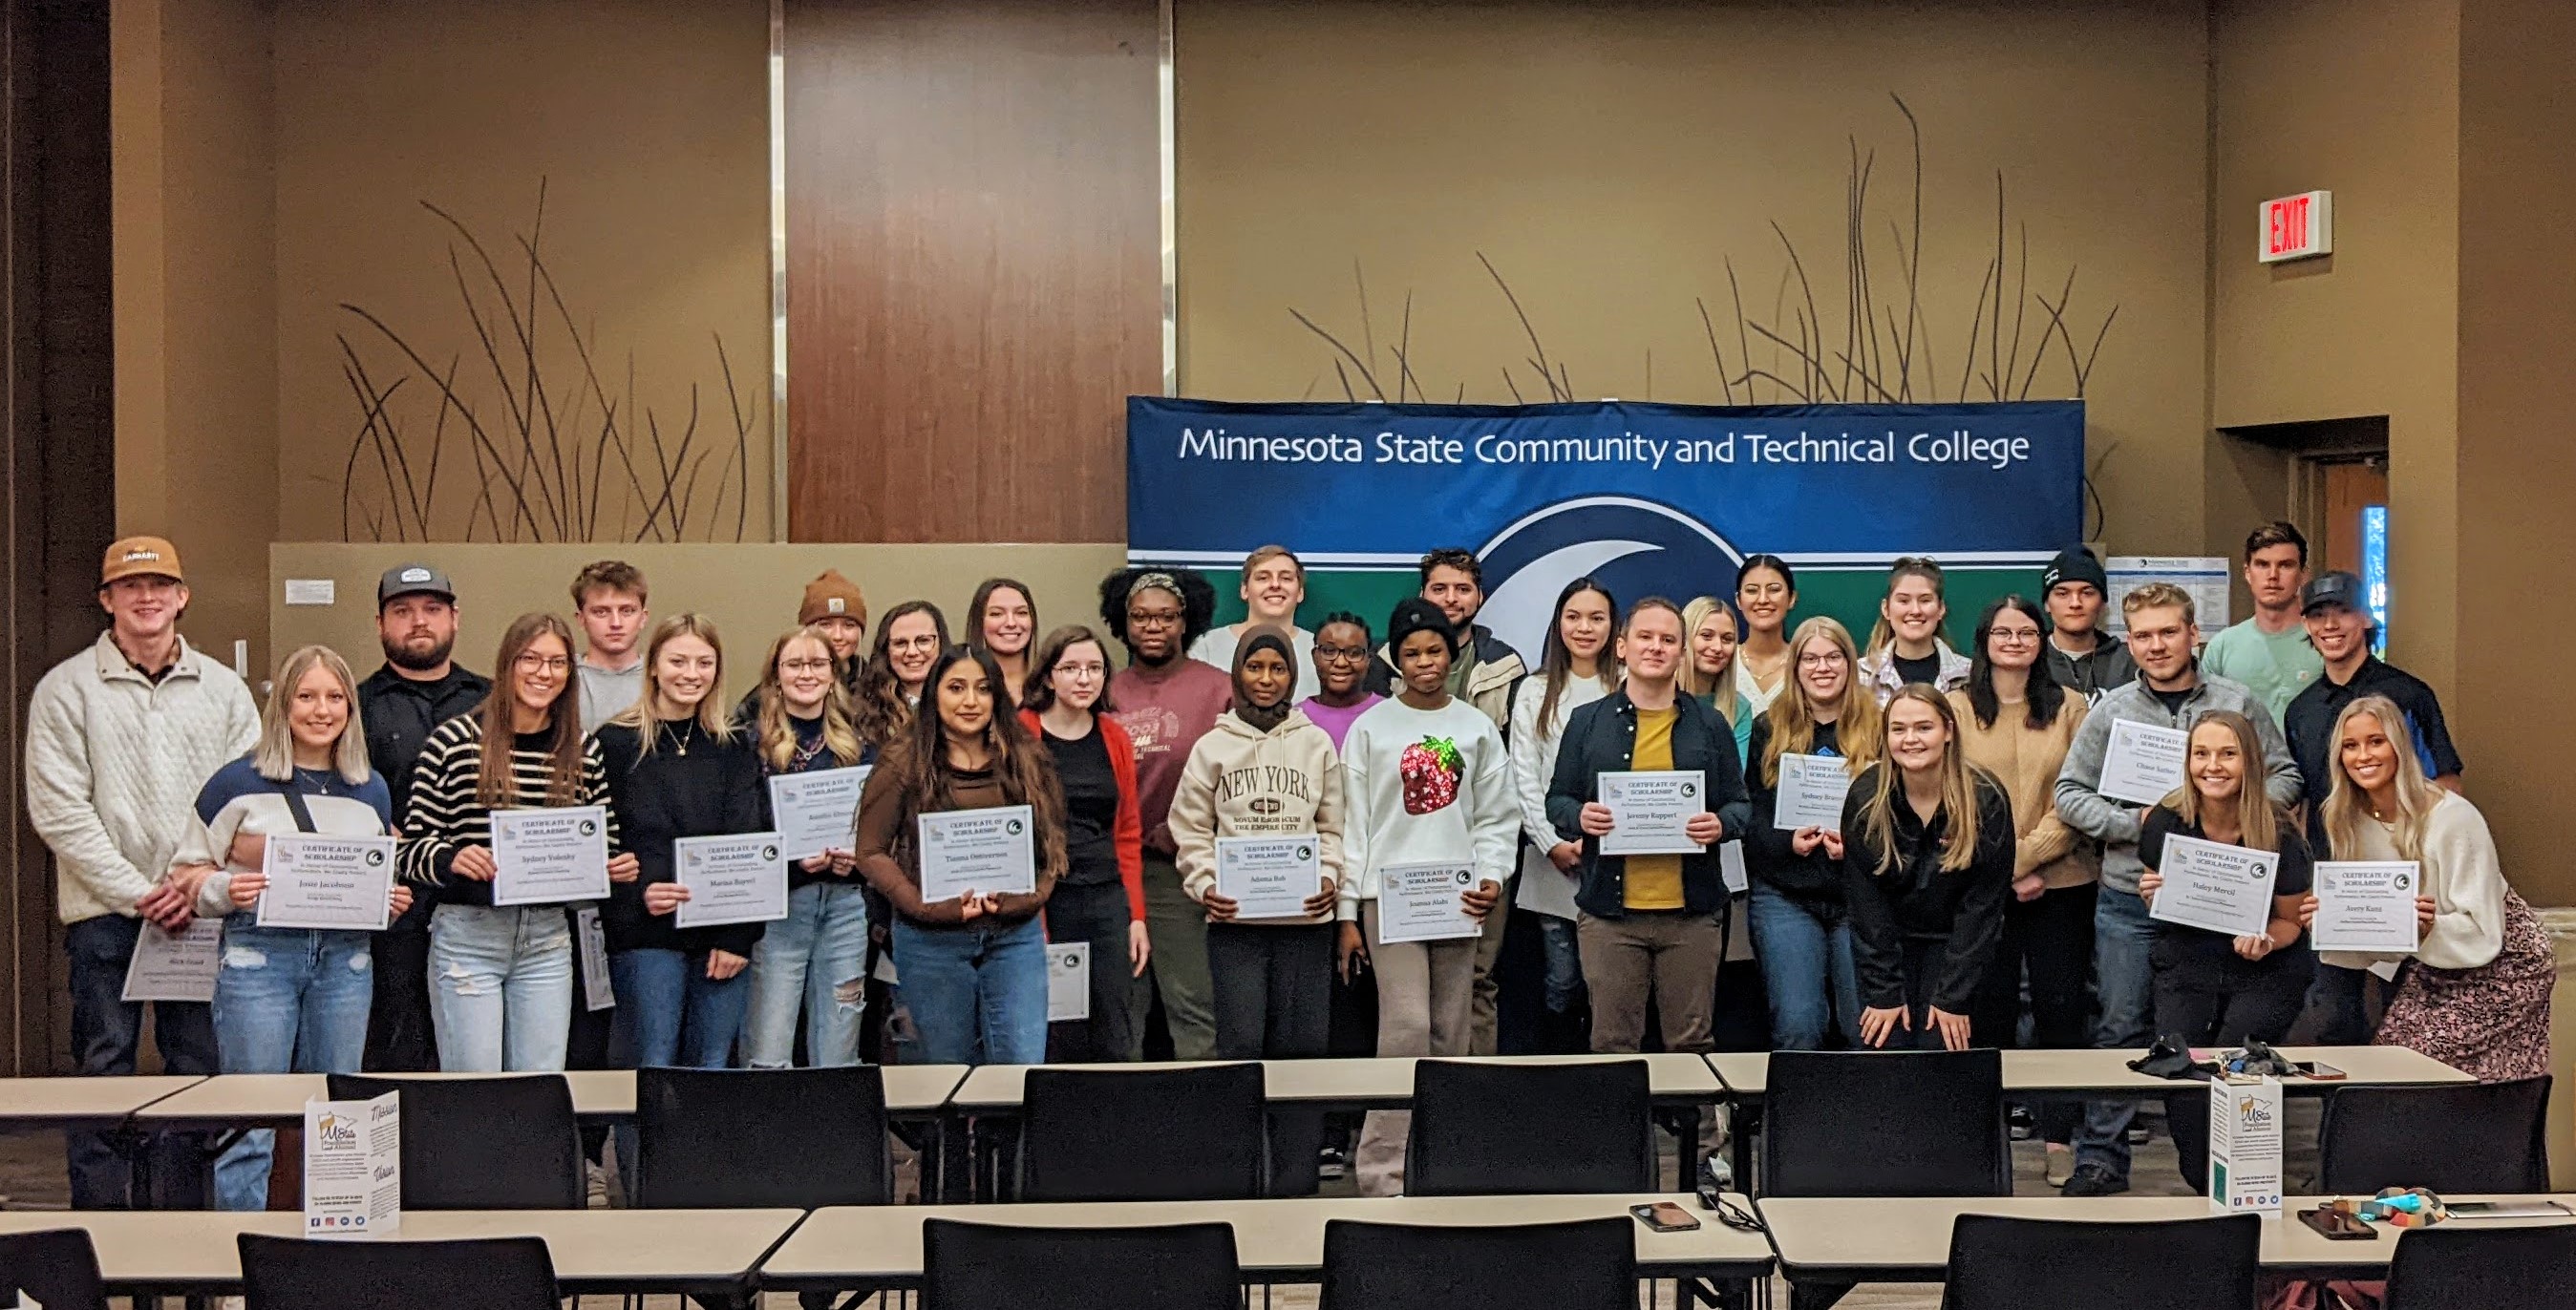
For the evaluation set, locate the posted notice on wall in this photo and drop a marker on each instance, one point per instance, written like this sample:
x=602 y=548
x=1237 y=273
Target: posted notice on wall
x=176 y=966
x=2204 y=577
x=353 y=1167
x=550 y=855
x=1068 y=981
x=2367 y=906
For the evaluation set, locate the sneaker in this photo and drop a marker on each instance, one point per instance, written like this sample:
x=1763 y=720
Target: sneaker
x=1332 y=1163
x=2095 y=1180
x=2023 y=1127
x=1717 y=1171
x=2139 y=1134
x=595 y=1185
x=2061 y=1166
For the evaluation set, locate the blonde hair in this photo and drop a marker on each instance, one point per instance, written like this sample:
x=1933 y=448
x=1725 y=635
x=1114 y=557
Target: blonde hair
x=2347 y=807
x=776 y=732
x=2159 y=595
x=273 y=757
x=1793 y=720
x=1720 y=688
x=2258 y=820
x=645 y=717
x=1958 y=793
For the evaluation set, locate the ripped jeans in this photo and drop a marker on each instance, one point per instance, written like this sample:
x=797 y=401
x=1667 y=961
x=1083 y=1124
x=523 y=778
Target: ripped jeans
x=288 y=1000
x=500 y=987
x=814 y=960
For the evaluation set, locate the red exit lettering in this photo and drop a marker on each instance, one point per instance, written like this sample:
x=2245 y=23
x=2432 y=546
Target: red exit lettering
x=2296 y=227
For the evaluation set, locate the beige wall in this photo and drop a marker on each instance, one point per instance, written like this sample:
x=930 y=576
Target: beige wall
x=1611 y=158
x=2362 y=98
x=750 y=591
x=196 y=370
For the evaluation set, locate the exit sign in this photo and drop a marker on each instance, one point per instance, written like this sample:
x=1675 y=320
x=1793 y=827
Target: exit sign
x=2297 y=227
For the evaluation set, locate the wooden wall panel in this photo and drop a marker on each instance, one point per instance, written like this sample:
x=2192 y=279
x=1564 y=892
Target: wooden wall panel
x=974 y=277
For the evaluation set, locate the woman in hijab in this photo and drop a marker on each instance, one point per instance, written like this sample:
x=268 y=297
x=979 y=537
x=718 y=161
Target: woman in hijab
x=1257 y=820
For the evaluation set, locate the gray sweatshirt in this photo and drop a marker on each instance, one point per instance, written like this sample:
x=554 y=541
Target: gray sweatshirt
x=2115 y=823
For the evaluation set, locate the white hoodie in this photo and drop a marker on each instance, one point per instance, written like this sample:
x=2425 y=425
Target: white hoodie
x=1412 y=801
x=1243 y=782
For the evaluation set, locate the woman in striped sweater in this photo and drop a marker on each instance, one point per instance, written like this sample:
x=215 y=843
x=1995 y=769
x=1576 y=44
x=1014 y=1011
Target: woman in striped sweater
x=501 y=976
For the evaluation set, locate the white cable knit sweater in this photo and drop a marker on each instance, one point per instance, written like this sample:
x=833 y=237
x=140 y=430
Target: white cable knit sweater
x=114 y=764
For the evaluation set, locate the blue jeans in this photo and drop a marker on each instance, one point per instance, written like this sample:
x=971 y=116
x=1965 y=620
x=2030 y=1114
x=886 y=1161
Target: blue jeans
x=1807 y=970
x=670 y=1014
x=977 y=992
x=2124 y=985
x=1564 y=961
x=501 y=987
x=814 y=960
x=289 y=1000
x=106 y=1034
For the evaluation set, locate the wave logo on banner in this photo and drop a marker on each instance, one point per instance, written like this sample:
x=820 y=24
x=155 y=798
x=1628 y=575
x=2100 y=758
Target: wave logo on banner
x=1634 y=547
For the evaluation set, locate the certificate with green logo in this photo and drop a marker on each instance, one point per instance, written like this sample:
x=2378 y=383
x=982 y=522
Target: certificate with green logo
x=979 y=851
x=1269 y=877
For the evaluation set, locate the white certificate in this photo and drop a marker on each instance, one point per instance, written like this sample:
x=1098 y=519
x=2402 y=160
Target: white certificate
x=817 y=812
x=1419 y=903
x=1269 y=877
x=2143 y=764
x=733 y=879
x=597 y=991
x=2215 y=886
x=546 y=856
x=1068 y=981
x=2367 y=906
x=981 y=851
x=176 y=968
x=327 y=882
x=1730 y=865
x=1812 y=788
x=1650 y=812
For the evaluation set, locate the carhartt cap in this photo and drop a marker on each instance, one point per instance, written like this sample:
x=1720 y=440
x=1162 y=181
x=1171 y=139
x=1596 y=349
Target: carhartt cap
x=137 y=556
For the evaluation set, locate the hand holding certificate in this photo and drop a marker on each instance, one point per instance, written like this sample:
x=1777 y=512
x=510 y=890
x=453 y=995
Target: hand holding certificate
x=2215 y=886
x=1650 y=811
x=1425 y=903
x=2143 y=763
x=547 y=856
x=1812 y=788
x=815 y=812
x=733 y=879
x=2367 y=906
x=985 y=852
x=327 y=882
x=1269 y=877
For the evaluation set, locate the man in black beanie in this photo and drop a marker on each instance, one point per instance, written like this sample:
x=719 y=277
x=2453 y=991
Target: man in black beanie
x=2080 y=656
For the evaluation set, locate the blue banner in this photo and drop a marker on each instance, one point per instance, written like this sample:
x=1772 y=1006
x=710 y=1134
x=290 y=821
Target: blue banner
x=1652 y=498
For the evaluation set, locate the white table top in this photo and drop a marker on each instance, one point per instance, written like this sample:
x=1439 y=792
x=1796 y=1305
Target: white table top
x=1373 y=1080
x=47 y=1102
x=593 y=1250
x=2072 y=1072
x=278 y=1098
x=1275 y=1240
x=1908 y=1239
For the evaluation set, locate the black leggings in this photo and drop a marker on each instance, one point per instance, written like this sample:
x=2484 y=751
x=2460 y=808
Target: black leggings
x=2052 y=937
x=2228 y=1004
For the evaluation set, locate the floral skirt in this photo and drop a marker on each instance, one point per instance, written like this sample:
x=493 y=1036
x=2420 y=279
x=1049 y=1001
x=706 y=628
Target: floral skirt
x=2492 y=1021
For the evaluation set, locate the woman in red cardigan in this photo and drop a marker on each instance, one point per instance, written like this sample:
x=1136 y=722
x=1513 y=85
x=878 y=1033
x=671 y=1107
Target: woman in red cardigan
x=1101 y=898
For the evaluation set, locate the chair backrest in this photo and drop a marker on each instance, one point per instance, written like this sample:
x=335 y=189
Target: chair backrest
x=1885 y=1123
x=506 y=1143
x=1484 y=1129
x=733 y=1139
x=1192 y=1134
x=2458 y=1265
x=2474 y=1137
x=58 y=1267
x=2183 y=1264
x=1587 y=1265
x=488 y=1273
x=982 y=1266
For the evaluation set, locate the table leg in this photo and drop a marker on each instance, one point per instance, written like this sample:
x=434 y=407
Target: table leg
x=1744 y=1127
x=1817 y=1295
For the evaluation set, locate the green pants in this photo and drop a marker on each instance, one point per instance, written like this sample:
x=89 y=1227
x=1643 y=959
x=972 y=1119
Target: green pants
x=1178 y=969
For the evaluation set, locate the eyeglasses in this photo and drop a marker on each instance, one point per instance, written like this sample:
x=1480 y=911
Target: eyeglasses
x=2013 y=634
x=1727 y=1212
x=1147 y=619
x=804 y=666
x=542 y=663
x=1351 y=653
x=1822 y=660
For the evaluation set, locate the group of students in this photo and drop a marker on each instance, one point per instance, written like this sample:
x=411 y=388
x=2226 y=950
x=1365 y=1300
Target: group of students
x=1975 y=862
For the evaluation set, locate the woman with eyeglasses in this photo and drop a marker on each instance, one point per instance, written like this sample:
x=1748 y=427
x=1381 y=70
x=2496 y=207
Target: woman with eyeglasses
x=1342 y=654
x=1801 y=931
x=1101 y=898
x=2016 y=722
x=1906 y=646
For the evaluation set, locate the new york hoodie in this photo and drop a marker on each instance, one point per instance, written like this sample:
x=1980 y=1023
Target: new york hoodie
x=1243 y=782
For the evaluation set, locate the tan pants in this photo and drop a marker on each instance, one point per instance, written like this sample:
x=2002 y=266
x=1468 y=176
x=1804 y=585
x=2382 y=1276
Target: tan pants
x=1424 y=1007
x=1484 y=1002
x=1671 y=956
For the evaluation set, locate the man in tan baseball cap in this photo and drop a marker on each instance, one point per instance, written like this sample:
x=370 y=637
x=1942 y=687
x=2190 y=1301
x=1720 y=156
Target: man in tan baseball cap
x=139 y=557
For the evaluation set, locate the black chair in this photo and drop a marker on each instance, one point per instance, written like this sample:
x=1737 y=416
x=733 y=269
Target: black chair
x=2474 y=1137
x=491 y=1273
x=1885 y=1123
x=739 y=1139
x=1514 y=1129
x=985 y=1267
x=58 y=1267
x=2010 y=1264
x=1590 y=1265
x=1192 y=1134
x=482 y=1143
x=2464 y=1265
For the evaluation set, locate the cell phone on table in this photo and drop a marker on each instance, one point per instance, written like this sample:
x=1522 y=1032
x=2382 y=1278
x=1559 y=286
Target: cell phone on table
x=1664 y=1217
x=2321 y=1072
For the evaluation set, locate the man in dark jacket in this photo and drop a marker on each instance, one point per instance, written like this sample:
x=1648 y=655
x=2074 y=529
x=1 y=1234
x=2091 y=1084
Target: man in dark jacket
x=2084 y=659
x=419 y=687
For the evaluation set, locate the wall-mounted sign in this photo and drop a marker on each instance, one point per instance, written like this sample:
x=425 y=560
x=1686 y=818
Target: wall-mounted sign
x=2296 y=227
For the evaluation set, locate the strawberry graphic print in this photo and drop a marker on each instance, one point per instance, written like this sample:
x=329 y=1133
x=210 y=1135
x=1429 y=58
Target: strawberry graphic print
x=1430 y=769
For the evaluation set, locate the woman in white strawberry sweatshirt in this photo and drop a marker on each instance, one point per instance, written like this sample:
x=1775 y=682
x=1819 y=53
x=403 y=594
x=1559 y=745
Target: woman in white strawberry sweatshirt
x=1264 y=787
x=1430 y=791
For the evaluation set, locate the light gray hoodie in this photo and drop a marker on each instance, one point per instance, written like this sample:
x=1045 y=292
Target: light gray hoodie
x=2115 y=822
